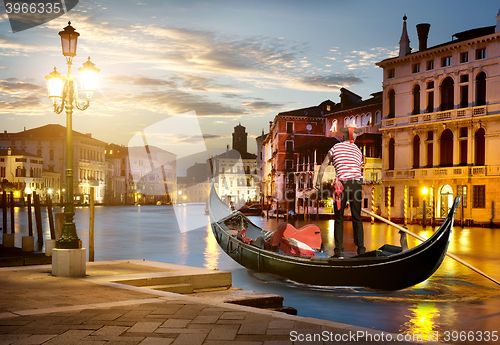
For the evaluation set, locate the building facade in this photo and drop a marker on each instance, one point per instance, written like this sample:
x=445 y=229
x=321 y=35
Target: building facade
x=154 y=174
x=235 y=172
x=119 y=182
x=288 y=131
x=49 y=142
x=441 y=126
x=24 y=172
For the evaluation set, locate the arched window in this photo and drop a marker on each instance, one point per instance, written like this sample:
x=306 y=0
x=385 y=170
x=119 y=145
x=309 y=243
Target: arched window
x=18 y=171
x=39 y=152
x=392 y=105
x=416 y=152
x=391 y=154
x=32 y=172
x=416 y=100
x=447 y=102
x=358 y=121
x=51 y=154
x=480 y=147
x=378 y=117
x=446 y=151
x=346 y=122
x=481 y=89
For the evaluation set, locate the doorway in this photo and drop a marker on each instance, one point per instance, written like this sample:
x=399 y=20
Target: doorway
x=445 y=201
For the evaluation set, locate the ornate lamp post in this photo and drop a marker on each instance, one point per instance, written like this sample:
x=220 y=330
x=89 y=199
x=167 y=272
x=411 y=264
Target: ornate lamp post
x=63 y=92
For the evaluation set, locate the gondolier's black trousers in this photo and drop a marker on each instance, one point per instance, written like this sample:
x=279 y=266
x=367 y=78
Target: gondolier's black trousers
x=354 y=194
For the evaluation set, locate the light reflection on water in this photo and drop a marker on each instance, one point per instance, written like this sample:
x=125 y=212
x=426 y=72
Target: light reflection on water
x=212 y=251
x=421 y=319
x=453 y=298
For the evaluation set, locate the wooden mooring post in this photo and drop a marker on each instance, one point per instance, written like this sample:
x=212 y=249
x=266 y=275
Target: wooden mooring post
x=38 y=219
x=91 y=225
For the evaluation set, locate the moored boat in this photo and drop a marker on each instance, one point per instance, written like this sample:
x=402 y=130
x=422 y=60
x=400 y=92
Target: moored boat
x=387 y=268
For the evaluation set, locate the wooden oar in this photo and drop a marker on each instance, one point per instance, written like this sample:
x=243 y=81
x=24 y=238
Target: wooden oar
x=423 y=239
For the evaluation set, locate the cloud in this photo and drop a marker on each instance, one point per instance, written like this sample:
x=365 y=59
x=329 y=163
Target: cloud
x=262 y=107
x=336 y=80
x=20 y=97
x=178 y=102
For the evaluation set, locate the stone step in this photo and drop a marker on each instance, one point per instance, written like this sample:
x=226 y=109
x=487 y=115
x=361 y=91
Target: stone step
x=197 y=279
x=244 y=297
x=175 y=288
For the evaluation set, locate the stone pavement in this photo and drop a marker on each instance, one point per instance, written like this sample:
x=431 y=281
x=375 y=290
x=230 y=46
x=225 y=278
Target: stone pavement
x=38 y=308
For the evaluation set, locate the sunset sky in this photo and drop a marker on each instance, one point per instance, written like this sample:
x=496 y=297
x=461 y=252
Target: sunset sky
x=229 y=61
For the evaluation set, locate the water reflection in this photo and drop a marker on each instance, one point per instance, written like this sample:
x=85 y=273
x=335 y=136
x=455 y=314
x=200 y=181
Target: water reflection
x=421 y=320
x=212 y=251
x=455 y=297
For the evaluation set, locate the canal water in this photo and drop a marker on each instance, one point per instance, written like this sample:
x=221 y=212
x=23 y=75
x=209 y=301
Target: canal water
x=454 y=299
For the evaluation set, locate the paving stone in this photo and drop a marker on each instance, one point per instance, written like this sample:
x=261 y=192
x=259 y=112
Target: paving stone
x=305 y=325
x=145 y=327
x=213 y=326
x=69 y=337
x=176 y=323
x=112 y=331
x=253 y=328
x=114 y=339
x=7 y=329
x=133 y=315
x=181 y=331
x=189 y=339
x=236 y=342
x=156 y=341
x=170 y=310
x=106 y=317
x=278 y=331
x=205 y=319
x=34 y=339
x=232 y=315
x=222 y=334
x=285 y=324
x=12 y=338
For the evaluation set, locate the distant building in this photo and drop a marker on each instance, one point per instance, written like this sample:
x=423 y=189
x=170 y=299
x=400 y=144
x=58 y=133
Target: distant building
x=235 y=171
x=287 y=131
x=195 y=187
x=24 y=171
x=441 y=126
x=119 y=182
x=367 y=115
x=49 y=143
x=154 y=174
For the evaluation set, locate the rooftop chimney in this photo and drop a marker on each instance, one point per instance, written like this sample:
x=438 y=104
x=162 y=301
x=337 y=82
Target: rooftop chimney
x=423 y=33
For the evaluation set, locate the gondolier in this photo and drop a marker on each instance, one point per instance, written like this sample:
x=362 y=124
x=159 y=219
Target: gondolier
x=347 y=160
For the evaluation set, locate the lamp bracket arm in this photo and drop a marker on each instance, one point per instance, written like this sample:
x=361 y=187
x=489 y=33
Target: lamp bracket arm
x=59 y=108
x=81 y=105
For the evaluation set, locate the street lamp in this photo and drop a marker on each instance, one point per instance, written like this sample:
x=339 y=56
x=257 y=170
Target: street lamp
x=63 y=92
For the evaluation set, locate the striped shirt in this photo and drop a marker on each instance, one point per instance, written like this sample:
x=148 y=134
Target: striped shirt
x=347 y=160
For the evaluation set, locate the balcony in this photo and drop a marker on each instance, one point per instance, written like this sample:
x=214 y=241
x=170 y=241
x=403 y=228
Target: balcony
x=442 y=173
x=441 y=116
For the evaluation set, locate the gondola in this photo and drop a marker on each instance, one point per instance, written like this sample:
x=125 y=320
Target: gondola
x=388 y=268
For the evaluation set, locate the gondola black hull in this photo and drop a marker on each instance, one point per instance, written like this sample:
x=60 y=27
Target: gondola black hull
x=393 y=272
